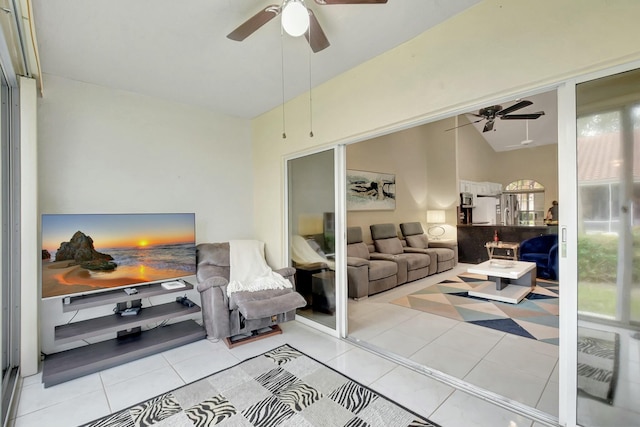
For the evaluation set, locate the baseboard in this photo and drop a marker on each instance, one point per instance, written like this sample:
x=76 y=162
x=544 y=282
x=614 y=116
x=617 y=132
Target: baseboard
x=230 y=342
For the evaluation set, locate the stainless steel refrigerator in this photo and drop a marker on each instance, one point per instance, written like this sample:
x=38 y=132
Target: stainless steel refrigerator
x=509 y=209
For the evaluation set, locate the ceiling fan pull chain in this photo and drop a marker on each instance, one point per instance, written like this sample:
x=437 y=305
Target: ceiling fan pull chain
x=284 y=133
x=310 y=85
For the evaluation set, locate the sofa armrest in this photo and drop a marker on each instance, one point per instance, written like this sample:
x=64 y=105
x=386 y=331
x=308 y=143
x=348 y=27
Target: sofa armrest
x=553 y=262
x=383 y=257
x=353 y=261
x=314 y=266
x=358 y=281
x=289 y=274
x=286 y=272
x=215 y=308
x=449 y=244
x=410 y=250
x=212 y=282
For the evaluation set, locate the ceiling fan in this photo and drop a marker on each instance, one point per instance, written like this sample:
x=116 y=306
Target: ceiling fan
x=490 y=114
x=314 y=34
x=526 y=142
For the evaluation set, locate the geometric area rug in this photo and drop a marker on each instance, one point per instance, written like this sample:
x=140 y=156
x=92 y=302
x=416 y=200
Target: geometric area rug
x=282 y=387
x=535 y=317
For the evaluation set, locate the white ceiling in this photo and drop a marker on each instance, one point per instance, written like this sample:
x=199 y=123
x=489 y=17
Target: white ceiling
x=508 y=134
x=178 y=51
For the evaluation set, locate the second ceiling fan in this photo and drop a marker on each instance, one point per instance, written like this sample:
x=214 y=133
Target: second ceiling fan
x=490 y=114
x=496 y=111
x=314 y=34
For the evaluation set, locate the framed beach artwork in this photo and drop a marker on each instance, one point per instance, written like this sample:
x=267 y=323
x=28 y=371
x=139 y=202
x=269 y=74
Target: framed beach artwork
x=370 y=191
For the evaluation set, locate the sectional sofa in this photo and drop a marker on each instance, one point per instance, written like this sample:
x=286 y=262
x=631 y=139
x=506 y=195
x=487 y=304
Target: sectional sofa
x=390 y=261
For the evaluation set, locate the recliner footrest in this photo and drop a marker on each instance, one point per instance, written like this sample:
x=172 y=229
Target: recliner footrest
x=259 y=309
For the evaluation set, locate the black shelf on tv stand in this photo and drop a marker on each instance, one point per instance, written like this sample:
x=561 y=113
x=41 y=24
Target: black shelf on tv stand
x=131 y=343
x=80 y=302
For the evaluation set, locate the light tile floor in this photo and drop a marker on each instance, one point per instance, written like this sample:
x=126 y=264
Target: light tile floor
x=90 y=397
x=518 y=368
x=475 y=354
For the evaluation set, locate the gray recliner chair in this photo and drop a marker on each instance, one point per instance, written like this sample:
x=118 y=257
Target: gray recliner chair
x=243 y=314
x=445 y=253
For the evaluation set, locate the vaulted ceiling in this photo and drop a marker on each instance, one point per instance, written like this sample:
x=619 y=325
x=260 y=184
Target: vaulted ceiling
x=179 y=51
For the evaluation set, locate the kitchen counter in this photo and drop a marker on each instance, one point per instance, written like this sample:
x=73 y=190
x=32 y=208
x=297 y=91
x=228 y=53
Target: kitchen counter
x=472 y=238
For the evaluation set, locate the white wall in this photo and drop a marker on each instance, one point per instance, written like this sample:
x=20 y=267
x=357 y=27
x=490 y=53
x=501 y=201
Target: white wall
x=103 y=151
x=108 y=151
x=423 y=161
x=403 y=154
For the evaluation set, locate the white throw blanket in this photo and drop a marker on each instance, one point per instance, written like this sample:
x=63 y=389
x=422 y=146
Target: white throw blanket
x=249 y=270
x=302 y=253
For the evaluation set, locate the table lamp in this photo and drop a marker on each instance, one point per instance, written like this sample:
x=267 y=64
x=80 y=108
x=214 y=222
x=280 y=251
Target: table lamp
x=435 y=217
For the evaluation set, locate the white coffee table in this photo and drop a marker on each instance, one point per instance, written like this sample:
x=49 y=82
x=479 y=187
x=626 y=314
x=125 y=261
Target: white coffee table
x=509 y=281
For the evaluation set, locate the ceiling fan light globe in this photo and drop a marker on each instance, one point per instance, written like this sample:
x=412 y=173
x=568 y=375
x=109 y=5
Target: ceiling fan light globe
x=295 y=18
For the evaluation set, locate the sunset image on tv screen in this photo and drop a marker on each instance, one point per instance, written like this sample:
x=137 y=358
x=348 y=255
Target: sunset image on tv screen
x=89 y=252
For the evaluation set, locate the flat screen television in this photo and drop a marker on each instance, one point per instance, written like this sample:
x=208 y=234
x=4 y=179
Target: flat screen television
x=83 y=253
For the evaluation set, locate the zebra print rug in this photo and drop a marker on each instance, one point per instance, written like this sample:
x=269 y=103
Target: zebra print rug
x=598 y=353
x=282 y=387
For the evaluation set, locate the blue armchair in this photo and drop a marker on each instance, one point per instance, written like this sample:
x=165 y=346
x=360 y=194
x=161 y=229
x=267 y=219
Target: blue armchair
x=543 y=250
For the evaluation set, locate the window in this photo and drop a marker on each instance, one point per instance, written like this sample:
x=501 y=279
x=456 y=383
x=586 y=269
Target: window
x=530 y=197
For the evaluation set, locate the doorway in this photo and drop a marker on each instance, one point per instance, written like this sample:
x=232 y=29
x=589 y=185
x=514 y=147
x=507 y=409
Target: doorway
x=428 y=162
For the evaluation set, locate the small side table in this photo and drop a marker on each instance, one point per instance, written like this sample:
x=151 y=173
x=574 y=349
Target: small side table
x=304 y=278
x=506 y=246
x=323 y=287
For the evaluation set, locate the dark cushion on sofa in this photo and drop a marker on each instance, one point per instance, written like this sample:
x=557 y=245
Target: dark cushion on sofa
x=383 y=231
x=358 y=250
x=417 y=241
x=411 y=229
x=417 y=260
x=381 y=269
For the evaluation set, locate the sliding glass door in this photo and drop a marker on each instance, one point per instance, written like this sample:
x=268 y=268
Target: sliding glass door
x=312 y=233
x=608 y=260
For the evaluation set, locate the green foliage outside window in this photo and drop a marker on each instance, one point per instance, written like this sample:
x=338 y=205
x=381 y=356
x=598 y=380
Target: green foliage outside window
x=598 y=257
x=597 y=274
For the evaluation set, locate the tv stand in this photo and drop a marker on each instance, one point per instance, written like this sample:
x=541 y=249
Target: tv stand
x=131 y=342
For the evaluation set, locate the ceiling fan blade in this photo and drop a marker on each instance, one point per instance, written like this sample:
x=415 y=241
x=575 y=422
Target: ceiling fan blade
x=529 y=143
x=530 y=116
x=514 y=107
x=323 y=2
x=466 y=124
x=254 y=23
x=488 y=126
x=315 y=36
